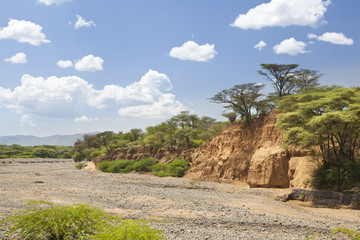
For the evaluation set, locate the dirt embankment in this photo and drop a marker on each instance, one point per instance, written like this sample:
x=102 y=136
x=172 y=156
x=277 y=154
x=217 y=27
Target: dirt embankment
x=252 y=153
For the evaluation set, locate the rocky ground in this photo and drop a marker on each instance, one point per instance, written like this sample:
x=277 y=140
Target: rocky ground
x=193 y=210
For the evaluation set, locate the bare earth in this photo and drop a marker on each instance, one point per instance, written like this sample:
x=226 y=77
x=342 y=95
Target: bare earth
x=193 y=210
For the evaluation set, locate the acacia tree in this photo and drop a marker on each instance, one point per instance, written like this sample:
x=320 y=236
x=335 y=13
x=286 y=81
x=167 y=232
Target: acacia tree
x=281 y=77
x=327 y=118
x=242 y=99
x=306 y=79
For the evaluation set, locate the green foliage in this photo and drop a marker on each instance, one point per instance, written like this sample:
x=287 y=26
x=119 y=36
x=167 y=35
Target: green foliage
x=351 y=234
x=95 y=154
x=231 y=116
x=144 y=165
x=325 y=178
x=44 y=151
x=79 y=165
x=129 y=229
x=242 y=99
x=178 y=167
x=159 y=167
x=118 y=166
x=77 y=157
x=162 y=174
x=327 y=118
x=45 y=220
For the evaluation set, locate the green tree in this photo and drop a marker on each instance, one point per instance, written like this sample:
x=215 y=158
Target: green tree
x=327 y=118
x=242 y=99
x=306 y=79
x=281 y=77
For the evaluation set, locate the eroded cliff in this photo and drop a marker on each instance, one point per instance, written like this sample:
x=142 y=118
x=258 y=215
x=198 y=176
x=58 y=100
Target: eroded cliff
x=252 y=153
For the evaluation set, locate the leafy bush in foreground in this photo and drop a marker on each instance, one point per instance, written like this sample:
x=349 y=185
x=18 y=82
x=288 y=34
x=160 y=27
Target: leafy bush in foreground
x=44 y=220
x=79 y=165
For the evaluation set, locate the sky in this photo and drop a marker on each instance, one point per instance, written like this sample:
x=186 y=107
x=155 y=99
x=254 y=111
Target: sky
x=81 y=66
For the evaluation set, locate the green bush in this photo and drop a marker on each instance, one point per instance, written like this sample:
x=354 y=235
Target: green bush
x=326 y=178
x=129 y=229
x=121 y=166
x=95 y=154
x=159 y=167
x=162 y=174
x=45 y=220
x=79 y=165
x=144 y=165
x=118 y=166
x=178 y=167
x=77 y=157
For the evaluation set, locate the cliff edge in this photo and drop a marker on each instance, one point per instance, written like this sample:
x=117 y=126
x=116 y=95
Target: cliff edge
x=252 y=153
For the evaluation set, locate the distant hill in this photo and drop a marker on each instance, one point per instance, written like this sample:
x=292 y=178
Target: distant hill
x=28 y=140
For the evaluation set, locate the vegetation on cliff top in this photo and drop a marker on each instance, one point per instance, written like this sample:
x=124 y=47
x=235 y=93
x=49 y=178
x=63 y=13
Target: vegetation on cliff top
x=182 y=131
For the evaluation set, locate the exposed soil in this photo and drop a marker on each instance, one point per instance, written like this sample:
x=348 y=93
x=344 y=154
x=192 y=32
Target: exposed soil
x=193 y=210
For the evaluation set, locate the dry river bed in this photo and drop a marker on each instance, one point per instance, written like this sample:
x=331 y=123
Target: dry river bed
x=193 y=209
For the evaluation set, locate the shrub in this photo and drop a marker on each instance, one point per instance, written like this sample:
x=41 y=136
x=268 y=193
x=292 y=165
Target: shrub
x=77 y=157
x=121 y=166
x=79 y=165
x=95 y=154
x=159 y=167
x=326 y=178
x=44 y=220
x=104 y=166
x=56 y=222
x=162 y=174
x=178 y=167
x=129 y=229
x=144 y=165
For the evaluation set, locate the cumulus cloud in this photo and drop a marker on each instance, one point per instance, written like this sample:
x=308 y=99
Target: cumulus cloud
x=17 y=58
x=50 y=2
x=82 y=119
x=83 y=23
x=27 y=121
x=89 y=63
x=290 y=46
x=333 y=37
x=64 y=63
x=260 y=45
x=190 y=50
x=164 y=106
x=284 y=13
x=70 y=97
x=24 y=32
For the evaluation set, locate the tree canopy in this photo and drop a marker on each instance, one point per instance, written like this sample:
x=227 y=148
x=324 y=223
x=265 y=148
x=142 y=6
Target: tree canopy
x=327 y=118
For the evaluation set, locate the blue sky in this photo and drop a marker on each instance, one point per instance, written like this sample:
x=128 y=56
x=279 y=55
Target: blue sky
x=77 y=66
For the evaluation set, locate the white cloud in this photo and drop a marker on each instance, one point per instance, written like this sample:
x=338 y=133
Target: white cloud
x=64 y=63
x=284 y=13
x=290 y=46
x=82 y=119
x=24 y=32
x=190 y=50
x=164 y=107
x=260 y=45
x=333 y=37
x=50 y=2
x=83 y=23
x=70 y=97
x=89 y=63
x=26 y=121
x=17 y=58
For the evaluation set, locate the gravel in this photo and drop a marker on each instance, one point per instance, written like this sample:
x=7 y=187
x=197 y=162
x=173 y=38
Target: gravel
x=189 y=209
